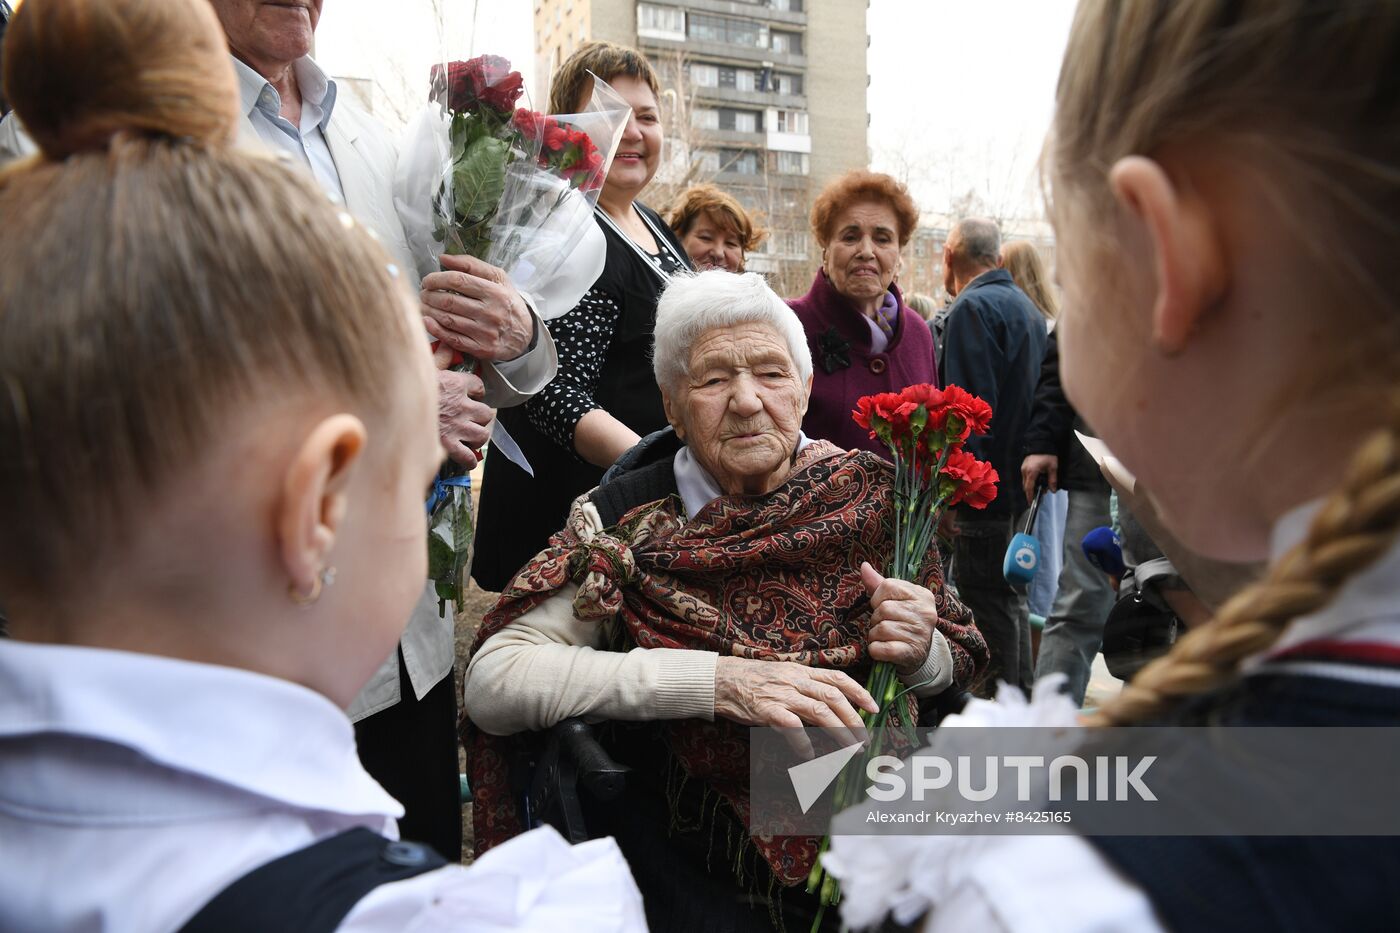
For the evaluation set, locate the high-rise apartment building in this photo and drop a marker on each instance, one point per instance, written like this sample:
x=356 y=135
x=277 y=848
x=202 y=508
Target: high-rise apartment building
x=764 y=98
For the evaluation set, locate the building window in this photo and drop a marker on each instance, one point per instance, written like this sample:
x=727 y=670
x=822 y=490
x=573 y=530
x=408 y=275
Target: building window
x=740 y=121
x=792 y=121
x=739 y=161
x=789 y=85
x=707 y=28
x=791 y=163
x=665 y=21
x=708 y=160
x=788 y=43
x=704 y=75
x=704 y=118
x=739 y=79
x=787 y=6
x=786 y=243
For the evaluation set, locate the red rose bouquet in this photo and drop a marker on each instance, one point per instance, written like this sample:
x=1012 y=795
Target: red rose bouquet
x=480 y=176
x=925 y=429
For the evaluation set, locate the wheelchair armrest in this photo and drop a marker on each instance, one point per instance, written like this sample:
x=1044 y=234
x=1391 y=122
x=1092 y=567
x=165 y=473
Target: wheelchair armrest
x=568 y=756
x=604 y=778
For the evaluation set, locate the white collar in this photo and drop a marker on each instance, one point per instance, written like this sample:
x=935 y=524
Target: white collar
x=1368 y=606
x=696 y=486
x=267 y=736
x=315 y=87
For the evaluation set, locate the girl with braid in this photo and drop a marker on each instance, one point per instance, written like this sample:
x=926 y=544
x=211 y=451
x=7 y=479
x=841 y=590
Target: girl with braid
x=1225 y=183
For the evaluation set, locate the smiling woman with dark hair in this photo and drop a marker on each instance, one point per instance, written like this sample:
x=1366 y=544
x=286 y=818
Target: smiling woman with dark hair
x=863 y=337
x=603 y=399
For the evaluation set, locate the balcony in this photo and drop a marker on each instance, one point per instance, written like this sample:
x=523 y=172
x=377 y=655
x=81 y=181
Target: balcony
x=724 y=52
x=753 y=99
x=754 y=11
x=739 y=180
x=788 y=142
x=731 y=139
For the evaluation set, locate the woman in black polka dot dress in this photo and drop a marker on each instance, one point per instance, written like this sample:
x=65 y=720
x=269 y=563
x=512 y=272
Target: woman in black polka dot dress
x=604 y=398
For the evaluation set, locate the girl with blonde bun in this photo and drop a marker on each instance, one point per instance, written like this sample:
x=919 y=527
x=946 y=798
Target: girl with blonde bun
x=214 y=441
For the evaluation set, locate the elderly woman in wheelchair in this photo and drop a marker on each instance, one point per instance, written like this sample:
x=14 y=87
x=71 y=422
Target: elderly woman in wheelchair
x=722 y=576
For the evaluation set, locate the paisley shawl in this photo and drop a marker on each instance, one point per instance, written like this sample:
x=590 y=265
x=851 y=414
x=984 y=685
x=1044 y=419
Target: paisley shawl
x=773 y=577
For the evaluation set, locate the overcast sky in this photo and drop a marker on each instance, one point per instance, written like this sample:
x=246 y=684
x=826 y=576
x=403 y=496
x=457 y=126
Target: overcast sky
x=961 y=91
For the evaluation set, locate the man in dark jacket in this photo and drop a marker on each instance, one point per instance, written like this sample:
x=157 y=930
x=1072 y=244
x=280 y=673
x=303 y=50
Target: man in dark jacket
x=4 y=22
x=1084 y=596
x=993 y=348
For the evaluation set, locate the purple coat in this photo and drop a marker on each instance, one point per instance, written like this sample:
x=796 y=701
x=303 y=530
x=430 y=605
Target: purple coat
x=845 y=368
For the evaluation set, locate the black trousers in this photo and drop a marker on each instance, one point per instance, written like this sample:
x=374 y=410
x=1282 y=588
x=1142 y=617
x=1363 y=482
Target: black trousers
x=998 y=608
x=411 y=749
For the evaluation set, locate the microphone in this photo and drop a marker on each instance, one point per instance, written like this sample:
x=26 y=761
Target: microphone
x=1022 y=558
x=1105 y=551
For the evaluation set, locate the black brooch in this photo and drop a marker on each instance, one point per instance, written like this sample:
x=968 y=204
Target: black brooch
x=835 y=352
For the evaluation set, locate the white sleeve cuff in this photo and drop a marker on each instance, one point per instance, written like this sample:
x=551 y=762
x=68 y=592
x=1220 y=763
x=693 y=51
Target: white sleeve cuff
x=936 y=673
x=512 y=382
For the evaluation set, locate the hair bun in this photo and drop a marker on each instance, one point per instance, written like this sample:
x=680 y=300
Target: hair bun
x=79 y=72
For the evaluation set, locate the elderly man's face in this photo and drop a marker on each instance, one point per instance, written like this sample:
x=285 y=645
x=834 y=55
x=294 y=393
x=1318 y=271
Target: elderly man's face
x=740 y=409
x=269 y=32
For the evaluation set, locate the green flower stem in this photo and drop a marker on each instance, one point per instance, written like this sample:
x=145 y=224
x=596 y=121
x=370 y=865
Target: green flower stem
x=917 y=509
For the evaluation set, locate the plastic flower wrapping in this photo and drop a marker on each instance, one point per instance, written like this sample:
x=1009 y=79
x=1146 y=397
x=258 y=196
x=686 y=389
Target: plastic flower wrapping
x=479 y=175
x=925 y=429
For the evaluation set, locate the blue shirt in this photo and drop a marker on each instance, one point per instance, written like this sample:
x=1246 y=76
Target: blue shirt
x=307 y=142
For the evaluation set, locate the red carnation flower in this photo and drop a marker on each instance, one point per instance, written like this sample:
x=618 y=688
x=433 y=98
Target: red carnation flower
x=865 y=408
x=975 y=413
x=923 y=394
x=529 y=123
x=555 y=136
x=976 y=480
x=579 y=138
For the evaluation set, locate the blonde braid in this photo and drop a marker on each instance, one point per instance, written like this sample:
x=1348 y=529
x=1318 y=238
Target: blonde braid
x=1356 y=525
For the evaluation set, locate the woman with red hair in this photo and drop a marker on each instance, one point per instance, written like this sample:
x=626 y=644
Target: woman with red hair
x=863 y=337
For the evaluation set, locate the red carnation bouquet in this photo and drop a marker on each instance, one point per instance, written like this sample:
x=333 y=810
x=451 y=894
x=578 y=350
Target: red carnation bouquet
x=925 y=429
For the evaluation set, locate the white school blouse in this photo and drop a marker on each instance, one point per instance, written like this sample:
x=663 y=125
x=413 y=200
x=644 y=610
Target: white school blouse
x=134 y=788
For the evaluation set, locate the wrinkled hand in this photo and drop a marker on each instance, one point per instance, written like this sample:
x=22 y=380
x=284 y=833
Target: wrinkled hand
x=789 y=696
x=464 y=423
x=902 y=620
x=1033 y=466
x=472 y=307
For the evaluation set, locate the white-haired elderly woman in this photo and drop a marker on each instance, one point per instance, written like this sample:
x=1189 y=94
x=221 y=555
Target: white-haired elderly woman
x=726 y=579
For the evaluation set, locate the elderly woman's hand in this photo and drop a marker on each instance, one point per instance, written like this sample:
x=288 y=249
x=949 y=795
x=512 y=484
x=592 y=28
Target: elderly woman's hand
x=789 y=696
x=473 y=308
x=464 y=422
x=902 y=620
